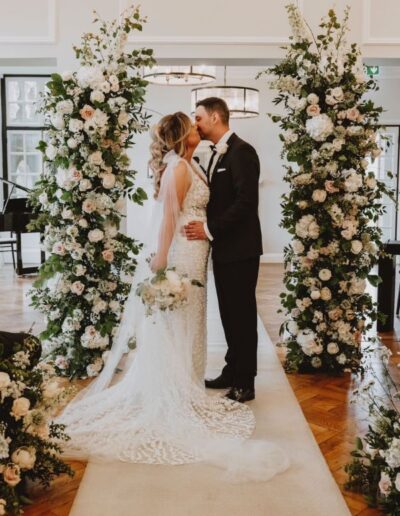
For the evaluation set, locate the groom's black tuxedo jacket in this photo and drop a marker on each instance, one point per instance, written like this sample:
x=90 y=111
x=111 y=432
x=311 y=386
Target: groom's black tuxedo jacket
x=232 y=212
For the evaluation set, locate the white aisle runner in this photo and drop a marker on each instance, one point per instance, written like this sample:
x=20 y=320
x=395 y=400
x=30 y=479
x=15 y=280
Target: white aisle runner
x=306 y=489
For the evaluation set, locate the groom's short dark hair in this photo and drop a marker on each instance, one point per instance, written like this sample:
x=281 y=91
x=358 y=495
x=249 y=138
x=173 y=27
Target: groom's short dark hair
x=217 y=104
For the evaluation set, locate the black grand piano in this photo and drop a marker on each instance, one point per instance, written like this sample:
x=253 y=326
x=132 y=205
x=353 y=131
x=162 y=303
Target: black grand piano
x=14 y=217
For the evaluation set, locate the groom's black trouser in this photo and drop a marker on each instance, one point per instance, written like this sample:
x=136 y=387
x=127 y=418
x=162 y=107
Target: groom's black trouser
x=236 y=290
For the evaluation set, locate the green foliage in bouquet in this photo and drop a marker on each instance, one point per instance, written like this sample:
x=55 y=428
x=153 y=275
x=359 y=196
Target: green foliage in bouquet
x=375 y=468
x=334 y=202
x=29 y=443
x=91 y=118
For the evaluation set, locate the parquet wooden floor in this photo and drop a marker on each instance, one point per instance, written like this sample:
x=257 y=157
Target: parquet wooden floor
x=325 y=401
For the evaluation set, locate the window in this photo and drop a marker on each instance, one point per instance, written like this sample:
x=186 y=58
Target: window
x=388 y=161
x=22 y=129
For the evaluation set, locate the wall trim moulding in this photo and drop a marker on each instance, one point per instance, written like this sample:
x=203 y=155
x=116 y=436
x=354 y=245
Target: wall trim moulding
x=367 y=39
x=209 y=40
x=50 y=37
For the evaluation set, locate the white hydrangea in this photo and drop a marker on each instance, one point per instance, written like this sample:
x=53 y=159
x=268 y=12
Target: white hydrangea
x=319 y=127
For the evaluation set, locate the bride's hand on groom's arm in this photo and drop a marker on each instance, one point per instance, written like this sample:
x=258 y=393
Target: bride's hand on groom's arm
x=194 y=230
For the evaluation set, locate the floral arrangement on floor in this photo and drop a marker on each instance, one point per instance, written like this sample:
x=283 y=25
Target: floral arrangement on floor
x=91 y=117
x=375 y=469
x=329 y=133
x=29 y=444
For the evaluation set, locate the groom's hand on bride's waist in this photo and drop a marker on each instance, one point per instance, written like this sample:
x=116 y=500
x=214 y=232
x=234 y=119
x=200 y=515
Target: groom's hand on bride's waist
x=194 y=230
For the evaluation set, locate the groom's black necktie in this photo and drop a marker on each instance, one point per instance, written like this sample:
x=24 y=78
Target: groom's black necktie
x=210 y=163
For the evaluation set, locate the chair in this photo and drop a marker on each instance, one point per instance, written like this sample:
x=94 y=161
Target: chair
x=7 y=244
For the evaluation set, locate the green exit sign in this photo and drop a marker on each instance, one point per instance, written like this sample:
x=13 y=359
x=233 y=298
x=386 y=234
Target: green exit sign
x=372 y=70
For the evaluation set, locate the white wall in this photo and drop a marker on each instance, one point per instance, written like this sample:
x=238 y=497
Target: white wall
x=196 y=32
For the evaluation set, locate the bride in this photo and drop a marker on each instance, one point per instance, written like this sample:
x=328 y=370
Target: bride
x=159 y=412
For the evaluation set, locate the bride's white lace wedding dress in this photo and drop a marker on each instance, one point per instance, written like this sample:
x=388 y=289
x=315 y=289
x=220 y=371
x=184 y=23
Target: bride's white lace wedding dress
x=159 y=412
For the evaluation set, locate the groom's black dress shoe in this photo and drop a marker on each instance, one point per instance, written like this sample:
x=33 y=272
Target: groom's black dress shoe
x=222 y=382
x=240 y=395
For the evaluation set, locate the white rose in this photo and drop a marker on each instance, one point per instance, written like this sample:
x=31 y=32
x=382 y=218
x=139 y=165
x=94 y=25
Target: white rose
x=65 y=107
x=75 y=125
x=20 y=407
x=77 y=288
x=385 y=484
x=297 y=246
x=319 y=127
x=96 y=158
x=88 y=206
x=332 y=348
x=105 y=87
x=51 y=152
x=24 y=457
x=95 y=235
x=4 y=380
x=83 y=223
x=97 y=96
x=325 y=274
x=319 y=195
x=397 y=482
x=72 y=143
x=58 y=248
x=123 y=118
x=67 y=214
x=341 y=359
x=108 y=181
x=315 y=294
x=84 y=185
x=57 y=120
x=292 y=327
x=337 y=93
x=356 y=246
x=66 y=76
x=326 y=294
x=3 y=505
x=312 y=98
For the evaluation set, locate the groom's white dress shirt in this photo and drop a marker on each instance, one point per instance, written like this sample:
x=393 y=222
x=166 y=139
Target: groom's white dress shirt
x=225 y=137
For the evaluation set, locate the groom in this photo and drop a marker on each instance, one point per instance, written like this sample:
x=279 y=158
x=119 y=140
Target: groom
x=234 y=230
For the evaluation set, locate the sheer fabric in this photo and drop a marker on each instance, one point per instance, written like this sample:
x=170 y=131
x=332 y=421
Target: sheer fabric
x=159 y=412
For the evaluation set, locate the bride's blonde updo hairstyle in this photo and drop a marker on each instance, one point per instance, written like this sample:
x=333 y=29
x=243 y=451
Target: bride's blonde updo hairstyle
x=169 y=134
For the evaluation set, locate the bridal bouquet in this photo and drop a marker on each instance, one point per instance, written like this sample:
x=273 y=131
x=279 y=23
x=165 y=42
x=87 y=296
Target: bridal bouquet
x=165 y=290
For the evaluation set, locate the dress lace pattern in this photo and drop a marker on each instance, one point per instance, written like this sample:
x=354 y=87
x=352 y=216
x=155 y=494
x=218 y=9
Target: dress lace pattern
x=160 y=413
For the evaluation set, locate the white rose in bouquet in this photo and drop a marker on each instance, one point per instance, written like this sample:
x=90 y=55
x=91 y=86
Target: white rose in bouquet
x=293 y=327
x=90 y=76
x=108 y=181
x=334 y=95
x=94 y=368
x=96 y=158
x=57 y=121
x=297 y=246
x=356 y=246
x=20 y=408
x=123 y=118
x=84 y=185
x=77 y=288
x=4 y=380
x=95 y=235
x=370 y=182
x=65 y=107
x=332 y=348
x=51 y=152
x=306 y=339
x=72 y=143
x=352 y=114
x=319 y=127
x=315 y=294
x=58 y=248
x=105 y=87
x=325 y=274
x=75 y=125
x=312 y=98
x=89 y=206
x=97 y=96
x=326 y=294
x=319 y=195
x=297 y=103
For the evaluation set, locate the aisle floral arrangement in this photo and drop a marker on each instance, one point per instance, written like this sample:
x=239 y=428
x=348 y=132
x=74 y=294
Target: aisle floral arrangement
x=29 y=442
x=329 y=135
x=91 y=117
x=375 y=468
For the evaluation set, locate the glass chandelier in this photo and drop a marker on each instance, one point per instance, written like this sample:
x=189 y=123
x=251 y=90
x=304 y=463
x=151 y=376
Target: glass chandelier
x=243 y=102
x=180 y=75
